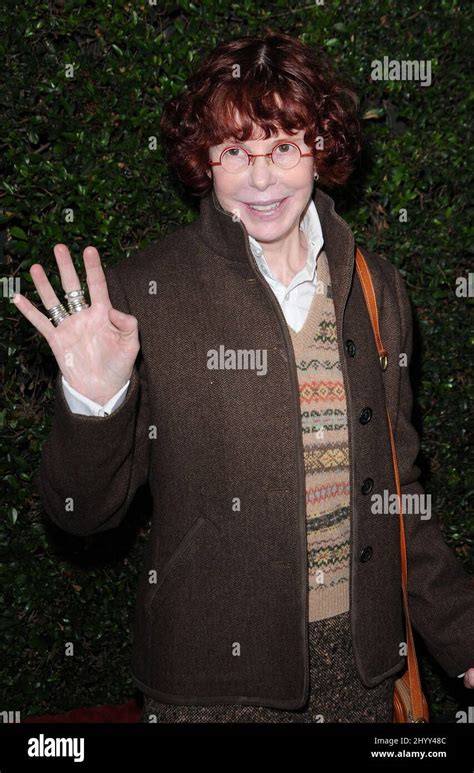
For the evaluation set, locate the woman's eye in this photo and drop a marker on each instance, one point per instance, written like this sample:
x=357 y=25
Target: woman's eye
x=286 y=149
x=234 y=152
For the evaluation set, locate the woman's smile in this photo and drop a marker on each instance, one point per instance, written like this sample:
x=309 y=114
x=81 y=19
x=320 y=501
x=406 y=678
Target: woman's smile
x=270 y=211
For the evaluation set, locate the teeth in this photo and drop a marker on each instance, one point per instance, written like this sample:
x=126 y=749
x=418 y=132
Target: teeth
x=265 y=207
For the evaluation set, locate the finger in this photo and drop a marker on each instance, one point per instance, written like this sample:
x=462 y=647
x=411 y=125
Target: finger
x=37 y=319
x=125 y=323
x=43 y=286
x=96 y=281
x=69 y=278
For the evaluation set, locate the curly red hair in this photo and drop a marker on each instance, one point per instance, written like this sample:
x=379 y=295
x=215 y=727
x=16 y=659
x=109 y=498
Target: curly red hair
x=246 y=74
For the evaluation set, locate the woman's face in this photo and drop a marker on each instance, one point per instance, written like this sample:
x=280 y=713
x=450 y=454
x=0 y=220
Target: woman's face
x=263 y=182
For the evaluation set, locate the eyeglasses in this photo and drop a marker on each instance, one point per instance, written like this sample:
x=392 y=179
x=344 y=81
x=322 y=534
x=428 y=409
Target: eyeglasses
x=285 y=155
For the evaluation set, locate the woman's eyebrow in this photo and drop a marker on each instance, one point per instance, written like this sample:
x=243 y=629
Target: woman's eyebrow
x=284 y=138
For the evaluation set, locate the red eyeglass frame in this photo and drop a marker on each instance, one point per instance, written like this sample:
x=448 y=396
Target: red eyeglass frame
x=257 y=155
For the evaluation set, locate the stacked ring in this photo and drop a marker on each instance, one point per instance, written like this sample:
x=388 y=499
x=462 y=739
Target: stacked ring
x=75 y=302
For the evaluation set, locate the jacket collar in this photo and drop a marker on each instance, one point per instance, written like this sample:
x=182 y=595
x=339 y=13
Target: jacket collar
x=230 y=239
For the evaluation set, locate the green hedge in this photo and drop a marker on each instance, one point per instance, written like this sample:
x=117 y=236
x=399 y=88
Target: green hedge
x=81 y=144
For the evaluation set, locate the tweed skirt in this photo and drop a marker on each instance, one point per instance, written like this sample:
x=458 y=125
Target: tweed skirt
x=336 y=693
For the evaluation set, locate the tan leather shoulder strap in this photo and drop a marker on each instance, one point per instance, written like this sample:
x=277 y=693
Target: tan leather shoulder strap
x=413 y=673
x=369 y=294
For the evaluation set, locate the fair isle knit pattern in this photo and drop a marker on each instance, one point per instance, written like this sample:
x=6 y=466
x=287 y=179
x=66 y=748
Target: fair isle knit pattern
x=326 y=452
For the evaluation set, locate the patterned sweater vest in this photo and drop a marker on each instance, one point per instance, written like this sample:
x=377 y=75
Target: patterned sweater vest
x=326 y=452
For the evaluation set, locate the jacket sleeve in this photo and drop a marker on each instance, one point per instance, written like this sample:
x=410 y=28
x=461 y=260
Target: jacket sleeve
x=440 y=592
x=91 y=466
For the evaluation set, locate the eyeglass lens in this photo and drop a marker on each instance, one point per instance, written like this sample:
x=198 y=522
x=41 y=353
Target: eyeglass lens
x=285 y=155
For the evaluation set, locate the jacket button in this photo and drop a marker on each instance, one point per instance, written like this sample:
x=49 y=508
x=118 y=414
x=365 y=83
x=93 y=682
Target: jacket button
x=367 y=486
x=350 y=347
x=365 y=416
x=366 y=554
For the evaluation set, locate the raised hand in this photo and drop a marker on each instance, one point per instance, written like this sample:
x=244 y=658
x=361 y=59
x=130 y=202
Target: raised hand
x=96 y=347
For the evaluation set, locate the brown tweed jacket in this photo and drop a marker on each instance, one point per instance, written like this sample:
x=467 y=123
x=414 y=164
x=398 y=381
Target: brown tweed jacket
x=221 y=609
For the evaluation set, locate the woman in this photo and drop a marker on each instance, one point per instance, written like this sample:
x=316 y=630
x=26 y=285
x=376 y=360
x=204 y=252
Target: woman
x=233 y=366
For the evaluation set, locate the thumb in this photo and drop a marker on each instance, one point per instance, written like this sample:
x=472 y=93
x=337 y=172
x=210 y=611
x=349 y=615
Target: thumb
x=126 y=323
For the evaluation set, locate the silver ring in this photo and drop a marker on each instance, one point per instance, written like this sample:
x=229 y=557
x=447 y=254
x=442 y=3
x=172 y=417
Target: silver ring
x=57 y=314
x=75 y=301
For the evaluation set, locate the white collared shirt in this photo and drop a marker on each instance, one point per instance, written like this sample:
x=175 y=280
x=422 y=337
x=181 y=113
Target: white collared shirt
x=295 y=298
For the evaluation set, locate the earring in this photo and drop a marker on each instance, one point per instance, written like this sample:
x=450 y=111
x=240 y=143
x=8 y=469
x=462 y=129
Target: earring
x=316 y=176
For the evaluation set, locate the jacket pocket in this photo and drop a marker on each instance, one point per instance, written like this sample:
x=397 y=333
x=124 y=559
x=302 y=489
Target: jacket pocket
x=182 y=551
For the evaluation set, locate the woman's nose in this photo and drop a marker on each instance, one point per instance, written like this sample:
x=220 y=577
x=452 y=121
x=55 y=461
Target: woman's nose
x=261 y=169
